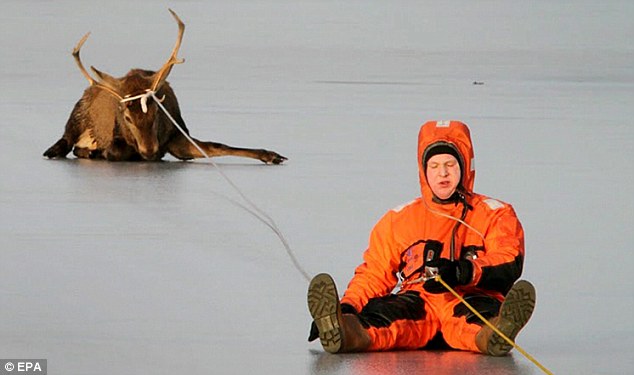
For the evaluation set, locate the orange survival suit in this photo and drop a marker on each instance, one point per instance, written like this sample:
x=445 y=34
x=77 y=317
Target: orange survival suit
x=472 y=227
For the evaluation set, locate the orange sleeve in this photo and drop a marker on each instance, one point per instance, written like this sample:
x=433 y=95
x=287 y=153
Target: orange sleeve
x=502 y=261
x=376 y=276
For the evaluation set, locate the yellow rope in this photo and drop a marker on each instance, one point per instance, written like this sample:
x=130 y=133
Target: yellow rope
x=485 y=321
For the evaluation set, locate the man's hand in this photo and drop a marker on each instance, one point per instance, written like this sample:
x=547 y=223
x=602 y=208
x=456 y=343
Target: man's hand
x=458 y=272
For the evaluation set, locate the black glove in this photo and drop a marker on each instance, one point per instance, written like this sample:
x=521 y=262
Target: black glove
x=458 y=272
x=314 y=331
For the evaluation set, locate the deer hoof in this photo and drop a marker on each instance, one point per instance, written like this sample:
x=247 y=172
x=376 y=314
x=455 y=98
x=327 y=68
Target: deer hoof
x=270 y=157
x=59 y=150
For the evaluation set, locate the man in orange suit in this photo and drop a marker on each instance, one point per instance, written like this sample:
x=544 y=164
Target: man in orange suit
x=475 y=243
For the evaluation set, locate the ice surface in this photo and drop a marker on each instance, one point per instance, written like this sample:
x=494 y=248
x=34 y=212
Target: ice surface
x=150 y=268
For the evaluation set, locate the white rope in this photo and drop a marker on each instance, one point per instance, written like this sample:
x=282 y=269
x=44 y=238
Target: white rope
x=251 y=207
x=142 y=97
x=452 y=218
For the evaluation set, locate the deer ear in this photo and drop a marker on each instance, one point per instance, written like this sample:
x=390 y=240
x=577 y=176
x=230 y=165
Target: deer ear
x=105 y=77
x=108 y=83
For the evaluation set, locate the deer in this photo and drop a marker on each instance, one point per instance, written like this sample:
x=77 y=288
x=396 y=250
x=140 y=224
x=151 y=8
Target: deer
x=137 y=118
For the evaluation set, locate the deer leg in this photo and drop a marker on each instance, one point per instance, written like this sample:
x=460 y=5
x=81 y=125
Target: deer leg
x=119 y=150
x=60 y=149
x=182 y=149
x=86 y=153
x=73 y=135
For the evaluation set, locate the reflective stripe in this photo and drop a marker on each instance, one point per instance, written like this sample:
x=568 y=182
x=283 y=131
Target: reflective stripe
x=443 y=124
x=493 y=204
x=402 y=206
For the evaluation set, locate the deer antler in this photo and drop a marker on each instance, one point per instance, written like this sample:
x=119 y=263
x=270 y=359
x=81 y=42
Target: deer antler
x=78 y=59
x=93 y=82
x=165 y=70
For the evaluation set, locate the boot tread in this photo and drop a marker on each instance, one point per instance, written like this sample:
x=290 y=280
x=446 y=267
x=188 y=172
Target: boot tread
x=324 y=307
x=515 y=312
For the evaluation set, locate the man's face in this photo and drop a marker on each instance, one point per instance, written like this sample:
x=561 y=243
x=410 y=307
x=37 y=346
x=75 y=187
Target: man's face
x=443 y=175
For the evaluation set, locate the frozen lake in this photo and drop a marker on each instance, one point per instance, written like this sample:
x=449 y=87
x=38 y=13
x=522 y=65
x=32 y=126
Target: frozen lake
x=139 y=268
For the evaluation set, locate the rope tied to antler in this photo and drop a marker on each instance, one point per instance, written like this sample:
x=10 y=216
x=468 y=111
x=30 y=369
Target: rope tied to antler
x=158 y=78
x=149 y=93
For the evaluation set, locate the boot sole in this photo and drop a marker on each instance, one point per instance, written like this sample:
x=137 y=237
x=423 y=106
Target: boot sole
x=324 y=307
x=515 y=312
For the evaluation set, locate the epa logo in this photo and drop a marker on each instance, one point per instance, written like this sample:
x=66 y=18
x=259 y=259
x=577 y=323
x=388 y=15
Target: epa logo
x=23 y=367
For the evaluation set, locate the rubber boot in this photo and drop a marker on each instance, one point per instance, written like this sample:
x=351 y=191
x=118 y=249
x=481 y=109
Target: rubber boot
x=338 y=333
x=515 y=312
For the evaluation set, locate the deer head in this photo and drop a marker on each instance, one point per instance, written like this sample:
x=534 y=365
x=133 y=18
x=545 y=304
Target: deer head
x=137 y=114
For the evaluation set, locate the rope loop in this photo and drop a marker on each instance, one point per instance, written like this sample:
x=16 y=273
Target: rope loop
x=143 y=99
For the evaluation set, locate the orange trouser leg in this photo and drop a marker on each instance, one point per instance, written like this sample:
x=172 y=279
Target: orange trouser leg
x=459 y=327
x=459 y=334
x=404 y=334
x=398 y=321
